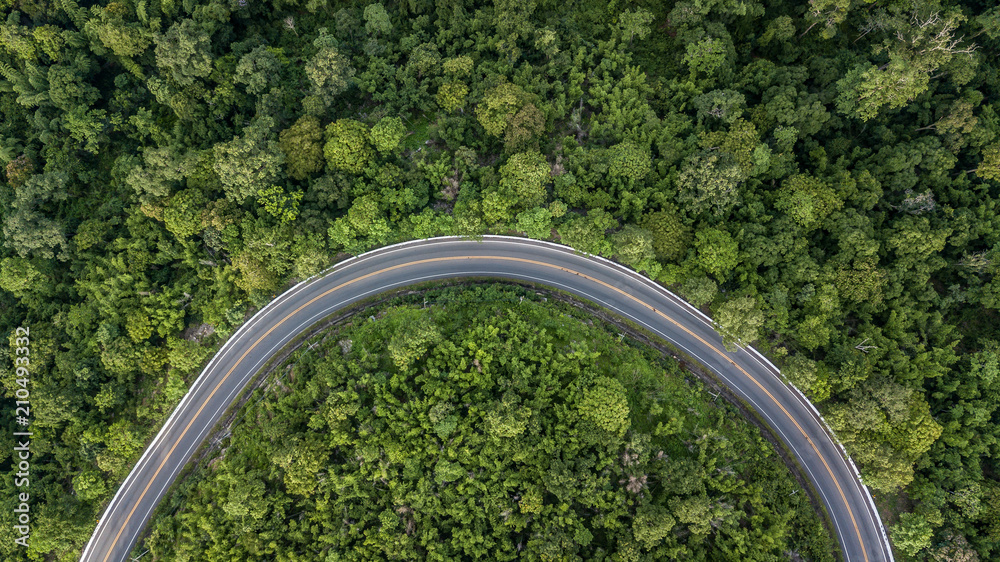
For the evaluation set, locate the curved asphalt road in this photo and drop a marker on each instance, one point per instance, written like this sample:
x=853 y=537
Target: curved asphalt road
x=747 y=373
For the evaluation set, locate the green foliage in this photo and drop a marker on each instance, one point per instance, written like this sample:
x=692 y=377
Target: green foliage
x=634 y=247
x=522 y=186
x=377 y=20
x=498 y=107
x=889 y=425
x=808 y=200
x=525 y=175
x=989 y=167
x=19 y=276
x=912 y=534
x=705 y=57
x=535 y=223
x=258 y=69
x=302 y=145
x=865 y=89
x=182 y=215
x=699 y=290
x=347 y=147
x=828 y=12
x=587 y=233
x=89 y=486
x=725 y=105
x=717 y=253
x=185 y=52
x=26 y=229
x=740 y=321
x=524 y=128
x=495 y=425
x=709 y=181
x=634 y=24
x=387 y=134
x=805 y=374
x=329 y=72
x=628 y=162
x=604 y=403
x=409 y=344
x=249 y=162
x=451 y=95
x=671 y=236
x=121 y=38
x=849 y=149
x=279 y=204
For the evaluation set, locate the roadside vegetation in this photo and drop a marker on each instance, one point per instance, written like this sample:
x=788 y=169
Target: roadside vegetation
x=823 y=177
x=484 y=424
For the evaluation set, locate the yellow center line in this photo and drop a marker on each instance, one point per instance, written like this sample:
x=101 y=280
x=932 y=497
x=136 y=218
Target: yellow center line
x=432 y=260
x=843 y=496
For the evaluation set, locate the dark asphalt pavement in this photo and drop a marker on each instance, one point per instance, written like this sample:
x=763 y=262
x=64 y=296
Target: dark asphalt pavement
x=749 y=375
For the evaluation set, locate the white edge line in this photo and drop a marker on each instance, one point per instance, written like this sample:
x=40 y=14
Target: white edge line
x=754 y=353
x=686 y=306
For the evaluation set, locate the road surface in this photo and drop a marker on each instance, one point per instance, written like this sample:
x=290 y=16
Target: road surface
x=859 y=530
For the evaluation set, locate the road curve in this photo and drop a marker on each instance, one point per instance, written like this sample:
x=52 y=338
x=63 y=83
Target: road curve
x=748 y=374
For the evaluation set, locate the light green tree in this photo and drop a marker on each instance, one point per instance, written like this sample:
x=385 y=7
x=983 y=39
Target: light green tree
x=634 y=247
x=302 y=145
x=387 y=134
x=329 y=72
x=89 y=485
x=652 y=524
x=739 y=321
x=184 y=51
x=989 y=166
x=279 y=204
x=830 y=13
x=705 y=57
x=377 y=19
x=347 y=147
x=524 y=176
x=123 y=39
x=807 y=199
x=634 y=24
x=451 y=95
x=919 y=44
x=499 y=106
x=249 y=162
x=628 y=162
x=804 y=374
x=699 y=290
x=671 y=237
x=257 y=69
x=19 y=276
x=717 y=252
x=409 y=344
x=182 y=215
x=709 y=181
x=867 y=88
x=912 y=534
x=604 y=402
x=535 y=222
x=725 y=105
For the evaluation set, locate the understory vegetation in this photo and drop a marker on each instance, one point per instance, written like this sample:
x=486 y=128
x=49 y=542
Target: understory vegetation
x=478 y=425
x=822 y=176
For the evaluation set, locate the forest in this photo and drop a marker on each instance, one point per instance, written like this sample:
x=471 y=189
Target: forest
x=823 y=177
x=486 y=424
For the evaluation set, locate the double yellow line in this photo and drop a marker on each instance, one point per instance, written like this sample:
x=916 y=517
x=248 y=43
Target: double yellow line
x=454 y=258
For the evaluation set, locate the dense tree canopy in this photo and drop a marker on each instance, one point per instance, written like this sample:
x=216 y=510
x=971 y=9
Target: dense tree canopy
x=825 y=174
x=487 y=427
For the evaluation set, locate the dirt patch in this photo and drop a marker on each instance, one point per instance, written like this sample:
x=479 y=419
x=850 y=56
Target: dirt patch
x=198 y=333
